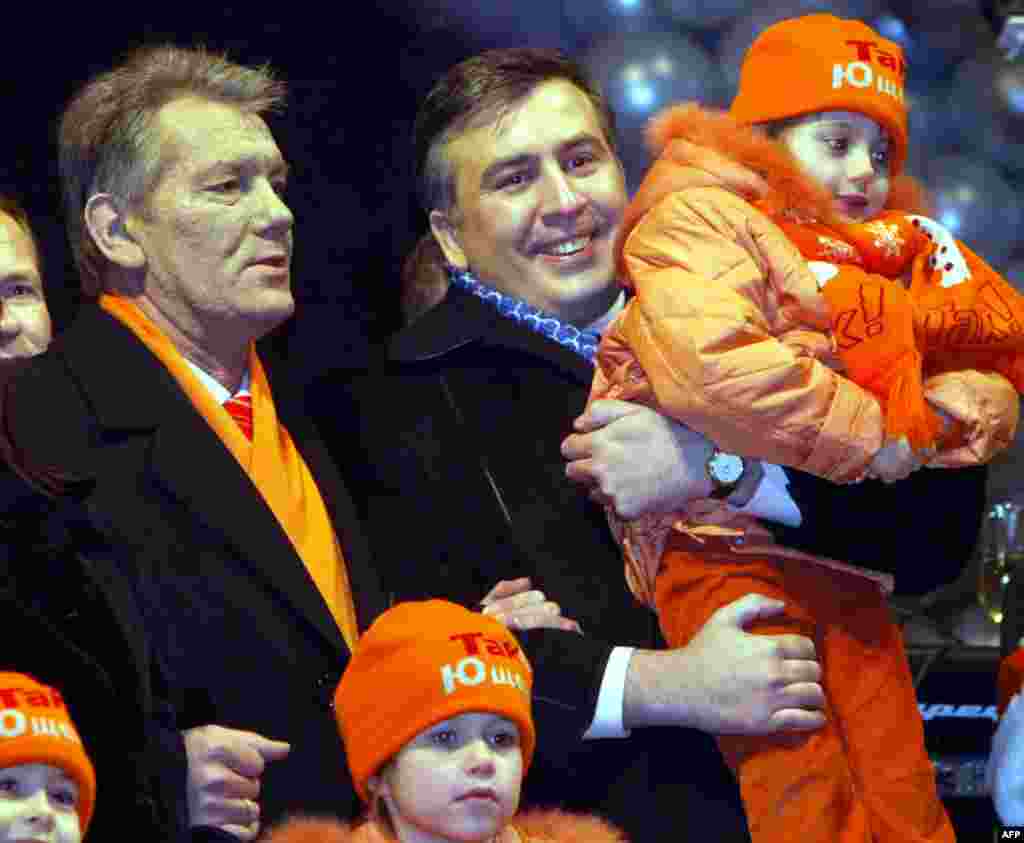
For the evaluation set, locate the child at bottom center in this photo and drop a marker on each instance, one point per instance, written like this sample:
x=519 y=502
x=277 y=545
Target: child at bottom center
x=434 y=711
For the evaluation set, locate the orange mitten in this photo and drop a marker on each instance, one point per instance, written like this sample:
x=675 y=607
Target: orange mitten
x=873 y=327
x=974 y=320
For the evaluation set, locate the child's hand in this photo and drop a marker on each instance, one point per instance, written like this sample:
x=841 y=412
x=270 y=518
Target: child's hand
x=518 y=605
x=894 y=461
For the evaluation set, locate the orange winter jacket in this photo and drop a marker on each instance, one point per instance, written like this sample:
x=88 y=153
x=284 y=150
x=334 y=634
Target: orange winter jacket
x=728 y=333
x=549 y=826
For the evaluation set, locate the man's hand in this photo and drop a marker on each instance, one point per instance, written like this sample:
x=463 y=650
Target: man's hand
x=224 y=769
x=513 y=603
x=727 y=680
x=635 y=459
x=1004 y=774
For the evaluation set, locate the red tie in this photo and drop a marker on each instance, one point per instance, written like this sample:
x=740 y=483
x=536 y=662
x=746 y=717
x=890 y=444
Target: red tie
x=239 y=407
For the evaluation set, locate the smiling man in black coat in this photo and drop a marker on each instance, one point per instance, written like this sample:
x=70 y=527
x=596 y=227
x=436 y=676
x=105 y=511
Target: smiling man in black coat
x=455 y=450
x=464 y=485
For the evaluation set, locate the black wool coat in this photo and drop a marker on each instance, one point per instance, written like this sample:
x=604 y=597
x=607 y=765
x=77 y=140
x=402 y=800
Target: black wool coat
x=451 y=447
x=225 y=602
x=62 y=622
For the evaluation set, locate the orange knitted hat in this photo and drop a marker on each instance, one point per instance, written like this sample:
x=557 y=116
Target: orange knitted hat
x=35 y=728
x=420 y=663
x=824 y=63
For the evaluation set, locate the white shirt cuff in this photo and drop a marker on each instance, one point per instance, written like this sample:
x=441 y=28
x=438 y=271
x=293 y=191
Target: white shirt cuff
x=607 y=721
x=772 y=500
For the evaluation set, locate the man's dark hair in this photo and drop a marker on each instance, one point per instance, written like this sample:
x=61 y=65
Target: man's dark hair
x=481 y=90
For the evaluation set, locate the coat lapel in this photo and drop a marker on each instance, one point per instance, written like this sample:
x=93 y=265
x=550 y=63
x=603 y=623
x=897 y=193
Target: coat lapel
x=462 y=318
x=364 y=579
x=188 y=461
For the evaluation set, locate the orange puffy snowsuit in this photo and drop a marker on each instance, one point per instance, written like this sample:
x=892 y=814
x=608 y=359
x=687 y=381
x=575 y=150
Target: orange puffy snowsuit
x=728 y=333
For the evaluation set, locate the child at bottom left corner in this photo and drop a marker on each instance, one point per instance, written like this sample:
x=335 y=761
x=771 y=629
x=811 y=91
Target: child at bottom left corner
x=47 y=782
x=434 y=711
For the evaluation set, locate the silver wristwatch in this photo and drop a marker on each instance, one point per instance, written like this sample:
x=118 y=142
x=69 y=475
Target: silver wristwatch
x=725 y=471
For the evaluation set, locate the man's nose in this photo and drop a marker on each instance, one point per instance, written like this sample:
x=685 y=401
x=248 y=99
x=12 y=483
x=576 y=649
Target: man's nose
x=561 y=196
x=276 y=211
x=10 y=326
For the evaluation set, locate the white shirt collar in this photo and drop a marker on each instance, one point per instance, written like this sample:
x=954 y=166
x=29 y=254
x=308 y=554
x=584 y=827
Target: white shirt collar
x=599 y=325
x=214 y=386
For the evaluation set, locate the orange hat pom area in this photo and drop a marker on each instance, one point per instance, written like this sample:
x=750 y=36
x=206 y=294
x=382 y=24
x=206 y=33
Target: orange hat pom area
x=420 y=663
x=824 y=63
x=35 y=728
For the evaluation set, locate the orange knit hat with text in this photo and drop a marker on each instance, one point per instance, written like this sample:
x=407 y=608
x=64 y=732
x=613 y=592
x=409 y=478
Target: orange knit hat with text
x=420 y=663
x=824 y=63
x=35 y=728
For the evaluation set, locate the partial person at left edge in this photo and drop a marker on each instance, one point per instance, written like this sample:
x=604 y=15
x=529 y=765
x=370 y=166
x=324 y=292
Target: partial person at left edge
x=61 y=621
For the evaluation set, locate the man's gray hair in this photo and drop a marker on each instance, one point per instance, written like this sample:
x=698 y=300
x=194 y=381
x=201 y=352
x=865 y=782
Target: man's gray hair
x=107 y=139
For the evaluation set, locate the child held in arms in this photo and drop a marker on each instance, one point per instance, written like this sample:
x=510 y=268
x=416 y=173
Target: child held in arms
x=794 y=304
x=434 y=711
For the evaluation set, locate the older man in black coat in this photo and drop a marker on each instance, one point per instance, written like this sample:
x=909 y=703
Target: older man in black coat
x=228 y=528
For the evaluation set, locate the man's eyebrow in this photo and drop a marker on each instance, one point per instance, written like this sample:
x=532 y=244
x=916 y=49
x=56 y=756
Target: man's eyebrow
x=277 y=166
x=505 y=164
x=582 y=139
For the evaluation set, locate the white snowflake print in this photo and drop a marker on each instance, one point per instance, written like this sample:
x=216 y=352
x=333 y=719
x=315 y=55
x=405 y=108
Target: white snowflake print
x=887 y=238
x=836 y=250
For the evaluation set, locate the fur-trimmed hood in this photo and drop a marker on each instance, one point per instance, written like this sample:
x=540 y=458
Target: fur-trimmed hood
x=547 y=826
x=698 y=147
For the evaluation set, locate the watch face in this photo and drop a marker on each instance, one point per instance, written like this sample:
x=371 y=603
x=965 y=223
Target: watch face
x=726 y=468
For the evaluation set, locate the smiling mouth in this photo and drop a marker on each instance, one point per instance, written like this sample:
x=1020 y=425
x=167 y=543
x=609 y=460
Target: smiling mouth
x=567 y=248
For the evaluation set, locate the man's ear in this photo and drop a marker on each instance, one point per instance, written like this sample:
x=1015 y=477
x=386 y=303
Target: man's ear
x=107 y=225
x=447 y=236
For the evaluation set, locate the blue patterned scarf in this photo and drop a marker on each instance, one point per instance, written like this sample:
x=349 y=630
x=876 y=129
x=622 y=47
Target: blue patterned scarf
x=584 y=343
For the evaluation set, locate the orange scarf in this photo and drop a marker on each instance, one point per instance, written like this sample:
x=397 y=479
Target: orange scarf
x=895 y=323
x=271 y=460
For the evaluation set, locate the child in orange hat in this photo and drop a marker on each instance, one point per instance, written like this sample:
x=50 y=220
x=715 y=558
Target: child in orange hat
x=47 y=783
x=735 y=229
x=434 y=711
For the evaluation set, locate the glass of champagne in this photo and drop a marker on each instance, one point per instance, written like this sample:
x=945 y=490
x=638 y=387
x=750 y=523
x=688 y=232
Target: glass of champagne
x=1001 y=550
